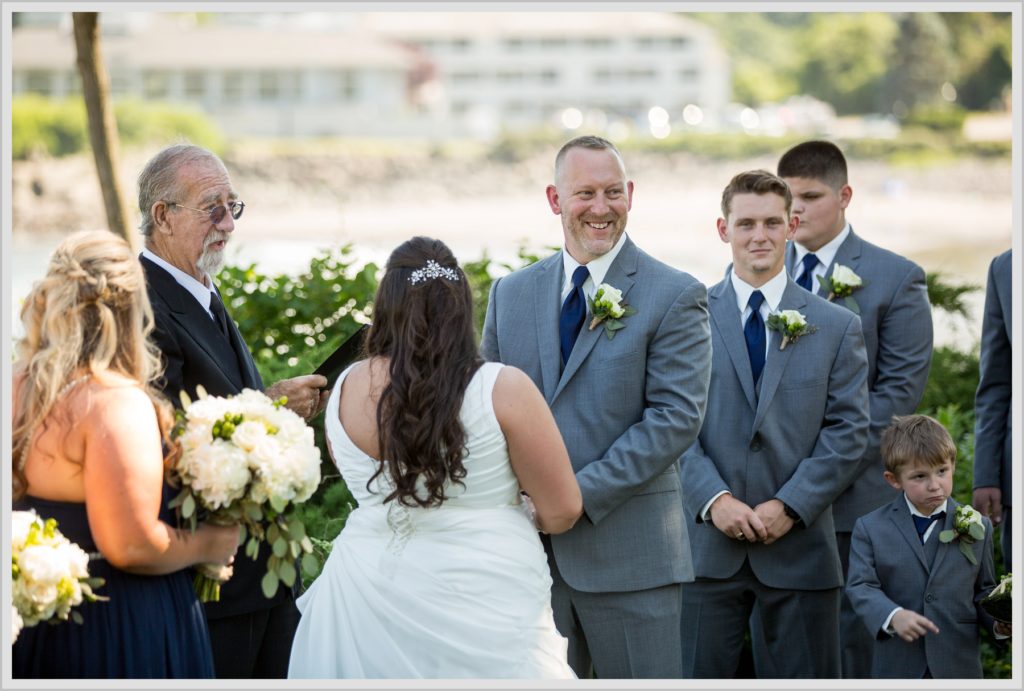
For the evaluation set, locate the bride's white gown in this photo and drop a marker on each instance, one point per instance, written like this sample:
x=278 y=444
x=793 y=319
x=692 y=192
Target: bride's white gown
x=457 y=591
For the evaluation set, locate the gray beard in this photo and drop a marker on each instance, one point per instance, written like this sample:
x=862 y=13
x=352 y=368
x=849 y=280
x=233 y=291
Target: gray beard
x=211 y=261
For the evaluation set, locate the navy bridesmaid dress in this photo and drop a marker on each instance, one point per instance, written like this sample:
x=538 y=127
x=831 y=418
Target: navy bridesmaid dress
x=151 y=627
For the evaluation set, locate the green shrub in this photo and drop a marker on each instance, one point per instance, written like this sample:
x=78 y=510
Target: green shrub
x=948 y=118
x=59 y=128
x=43 y=125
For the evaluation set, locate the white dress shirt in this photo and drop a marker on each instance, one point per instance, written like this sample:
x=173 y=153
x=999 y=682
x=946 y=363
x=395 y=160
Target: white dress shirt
x=598 y=269
x=201 y=292
x=825 y=254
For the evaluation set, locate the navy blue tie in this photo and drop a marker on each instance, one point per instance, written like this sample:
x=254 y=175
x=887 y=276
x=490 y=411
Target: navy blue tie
x=922 y=522
x=574 y=311
x=753 y=331
x=806 y=279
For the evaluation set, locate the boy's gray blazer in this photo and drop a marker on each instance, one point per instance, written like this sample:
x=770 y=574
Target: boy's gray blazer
x=888 y=568
x=626 y=408
x=993 y=440
x=799 y=440
x=896 y=319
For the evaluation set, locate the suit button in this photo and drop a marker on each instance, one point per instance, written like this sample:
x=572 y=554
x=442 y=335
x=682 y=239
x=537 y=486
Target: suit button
x=929 y=597
x=755 y=443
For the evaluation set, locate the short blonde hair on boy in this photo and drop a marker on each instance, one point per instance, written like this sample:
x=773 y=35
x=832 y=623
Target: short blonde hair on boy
x=916 y=440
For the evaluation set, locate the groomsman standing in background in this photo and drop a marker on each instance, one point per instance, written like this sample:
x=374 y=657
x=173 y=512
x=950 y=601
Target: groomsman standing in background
x=890 y=295
x=993 y=405
x=785 y=430
x=626 y=406
x=189 y=209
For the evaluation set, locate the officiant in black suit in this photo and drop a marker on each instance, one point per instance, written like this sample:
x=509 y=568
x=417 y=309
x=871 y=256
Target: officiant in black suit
x=189 y=209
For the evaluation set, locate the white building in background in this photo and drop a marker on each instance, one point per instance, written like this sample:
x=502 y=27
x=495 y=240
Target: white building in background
x=397 y=73
x=521 y=69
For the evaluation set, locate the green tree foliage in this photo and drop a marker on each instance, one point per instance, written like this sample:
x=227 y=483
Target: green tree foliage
x=920 y=62
x=982 y=43
x=845 y=58
x=58 y=127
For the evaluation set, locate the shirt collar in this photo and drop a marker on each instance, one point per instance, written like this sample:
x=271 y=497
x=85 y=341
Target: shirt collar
x=598 y=267
x=825 y=254
x=199 y=291
x=915 y=512
x=772 y=291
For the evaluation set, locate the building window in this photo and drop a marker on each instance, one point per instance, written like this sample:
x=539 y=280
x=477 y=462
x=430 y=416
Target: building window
x=195 y=84
x=551 y=43
x=646 y=42
x=598 y=42
x=72 y=82
x=39 y=81
x=465 y=77
x=602 y=75
x=689 y=74
x=120 y=84
x=343 y=87
x=549 y=77
x=509 y=77
x=461 y=45
x=679 y=41
x=269 y=86
x=514 y=44
x=232 y=86
x=156 y=84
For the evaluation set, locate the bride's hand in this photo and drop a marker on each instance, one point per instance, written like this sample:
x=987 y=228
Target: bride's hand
x=531 y=511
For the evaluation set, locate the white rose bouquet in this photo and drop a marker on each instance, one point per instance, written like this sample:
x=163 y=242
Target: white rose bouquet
x=968 y=528
x=49 y=573
x=246 y=460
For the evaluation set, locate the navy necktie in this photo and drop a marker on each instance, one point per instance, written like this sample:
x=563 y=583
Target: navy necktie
x=922 y=523
x=806 y=280
x=220 y=315
x=753 y=331
x=574 y=311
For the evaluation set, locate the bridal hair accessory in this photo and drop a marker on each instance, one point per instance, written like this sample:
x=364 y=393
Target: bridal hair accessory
x=433 y=270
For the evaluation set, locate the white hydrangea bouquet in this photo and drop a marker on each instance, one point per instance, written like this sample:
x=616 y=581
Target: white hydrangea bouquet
x=49 y=573
x=248 y=460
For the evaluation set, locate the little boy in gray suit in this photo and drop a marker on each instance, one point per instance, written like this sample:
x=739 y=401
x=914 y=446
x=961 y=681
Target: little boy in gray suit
x=915 y=589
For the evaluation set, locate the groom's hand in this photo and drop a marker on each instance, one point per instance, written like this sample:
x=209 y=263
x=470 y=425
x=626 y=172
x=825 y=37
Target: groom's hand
x=737 y=520
x=773 y=514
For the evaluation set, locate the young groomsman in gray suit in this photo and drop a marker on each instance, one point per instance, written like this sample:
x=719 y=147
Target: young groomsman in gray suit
x=785 y=430
x=993 y=404
x=628 y=394
x=889 y=294
x=915 y=594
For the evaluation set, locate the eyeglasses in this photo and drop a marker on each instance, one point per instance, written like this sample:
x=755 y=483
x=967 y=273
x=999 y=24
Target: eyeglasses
x=218 y=212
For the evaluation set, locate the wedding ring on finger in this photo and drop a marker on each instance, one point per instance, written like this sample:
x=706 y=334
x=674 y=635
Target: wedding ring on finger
x=740 y=535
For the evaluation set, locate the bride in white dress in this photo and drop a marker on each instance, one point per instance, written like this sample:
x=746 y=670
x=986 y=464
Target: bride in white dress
x=440 y=572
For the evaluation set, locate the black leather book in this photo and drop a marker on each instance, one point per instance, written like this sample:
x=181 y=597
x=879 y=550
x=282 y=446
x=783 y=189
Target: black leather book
x=344 y=355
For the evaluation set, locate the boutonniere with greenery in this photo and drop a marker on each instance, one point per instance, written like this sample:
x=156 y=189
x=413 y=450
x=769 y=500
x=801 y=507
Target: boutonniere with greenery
x=791 y=324
x=967 y=529
x=843 y=282
x=607 y=307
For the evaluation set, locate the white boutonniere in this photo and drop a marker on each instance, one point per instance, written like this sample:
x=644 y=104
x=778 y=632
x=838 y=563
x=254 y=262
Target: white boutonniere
x=967 y=529
x=791 y=324
x=607 y=307
x=843 y=282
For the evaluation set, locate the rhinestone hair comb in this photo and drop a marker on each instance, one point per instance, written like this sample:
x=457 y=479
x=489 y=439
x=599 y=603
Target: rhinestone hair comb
x=433 y=270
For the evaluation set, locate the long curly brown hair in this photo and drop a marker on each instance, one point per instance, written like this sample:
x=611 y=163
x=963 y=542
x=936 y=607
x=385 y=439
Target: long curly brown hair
x=90 y=313
x=425 y=329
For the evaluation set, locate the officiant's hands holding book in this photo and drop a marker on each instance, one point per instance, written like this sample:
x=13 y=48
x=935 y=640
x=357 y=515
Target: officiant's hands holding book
x=307 y=394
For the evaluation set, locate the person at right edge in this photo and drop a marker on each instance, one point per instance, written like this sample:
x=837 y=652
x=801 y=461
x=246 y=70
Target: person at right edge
x=993 y=405
x=896 y=318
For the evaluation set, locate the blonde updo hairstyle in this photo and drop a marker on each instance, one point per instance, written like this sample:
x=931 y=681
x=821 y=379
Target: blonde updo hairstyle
x=89 y=314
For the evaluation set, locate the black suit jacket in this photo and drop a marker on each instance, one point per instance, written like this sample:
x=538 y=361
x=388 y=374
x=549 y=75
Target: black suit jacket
x=196 y=352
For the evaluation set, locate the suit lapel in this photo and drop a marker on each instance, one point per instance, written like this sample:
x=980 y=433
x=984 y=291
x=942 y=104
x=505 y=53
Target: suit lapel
x=793 y=298
x=848 y=255
x=726 y=319
x=900 y=516
x=196 y=322
x=947 y=524
x=619 y=275
x=546 y=307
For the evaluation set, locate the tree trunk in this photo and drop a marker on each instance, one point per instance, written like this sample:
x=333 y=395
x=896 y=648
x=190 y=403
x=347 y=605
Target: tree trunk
x=102 y=127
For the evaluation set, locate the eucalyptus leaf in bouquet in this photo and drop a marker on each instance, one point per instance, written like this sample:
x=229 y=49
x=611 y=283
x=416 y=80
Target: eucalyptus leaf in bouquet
x=247 y=460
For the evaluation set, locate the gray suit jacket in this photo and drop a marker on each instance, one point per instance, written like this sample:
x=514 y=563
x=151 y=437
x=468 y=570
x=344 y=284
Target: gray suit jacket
x=799 y=440
x=888 y=568
x=896 y=318
x=626 y=408
x=993 y=438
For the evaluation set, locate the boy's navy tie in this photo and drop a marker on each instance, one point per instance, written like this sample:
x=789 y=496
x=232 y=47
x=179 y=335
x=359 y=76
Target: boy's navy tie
x=922 y=523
